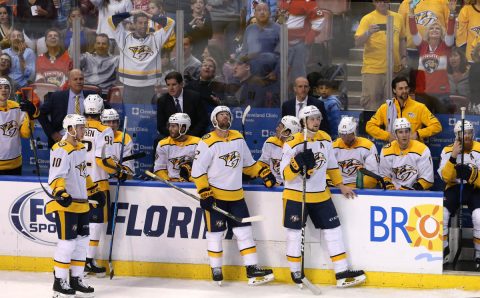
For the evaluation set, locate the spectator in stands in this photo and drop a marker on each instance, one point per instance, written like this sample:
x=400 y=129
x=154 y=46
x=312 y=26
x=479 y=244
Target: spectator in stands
x=302 y=99
x=210 y=88
x=6 y=21
x=171 y=7
x=22 y=59
x=106 y=9
x=140 y=66
x=99 y=67
x=224 y=67
x=180 y=100
x=191 y=65
x=225 y=22
x=5 y=70
x=261 y=43
x=63 y=9
x=86 y=35
x=423 y=123
x=37 y=20
x=53 y=66
x=458 y=71
x=89 y=13
x=304 y=21
x=198 y=25
x=468 y=26
x=332 y=104
x=252 y=5
x=58 y=104
x=432 y=86
x=473 y=76
x=155 y=7
x=141 y=5
x=371 y=35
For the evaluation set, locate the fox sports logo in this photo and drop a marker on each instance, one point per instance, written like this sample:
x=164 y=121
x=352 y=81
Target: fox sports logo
x=27 y=216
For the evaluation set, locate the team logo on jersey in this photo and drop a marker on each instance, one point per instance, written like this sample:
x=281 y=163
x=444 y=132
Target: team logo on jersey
x=430 y=62
x=219 y=223
x=82 y=168
x=231 y=159
x=197 y=152
x=349 y=166
x=9 y=128
x=411 y=115
x=404 y=172
x=177 y=161
x=476 y=30
x=294 y=218
x=276 y=165
x=320 y=160
x=141 y=52
x=425 y=18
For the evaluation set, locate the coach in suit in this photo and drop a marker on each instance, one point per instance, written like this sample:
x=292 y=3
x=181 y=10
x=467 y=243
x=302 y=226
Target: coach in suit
x=58 y=104
x=293 y=106
x=180 y=100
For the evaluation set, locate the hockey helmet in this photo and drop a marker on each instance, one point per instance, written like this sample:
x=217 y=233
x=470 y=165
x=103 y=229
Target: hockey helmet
x=109 y=115
x=93 y=104
x=73 y=120
x=216 y=111
x=180 y=119
x=401 y=123
x=290 y=123
x=309 y=111
x=458 y=126
x=347 y=126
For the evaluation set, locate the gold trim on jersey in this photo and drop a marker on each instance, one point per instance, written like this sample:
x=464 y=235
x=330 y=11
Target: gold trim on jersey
x=275 y=141
x=77 y=263
x=339 y=257
x=75 y=207
x=297 y=139
x=215 y=254
x=93 y=243
x=227 y=195
x=103 y=185
x=61 y=264
x=162 y=173
x=169 y=141
x=414 y=147
x=9 y=164
x=118 y=136
x=61 y=219
x=212 y=138
x=310 y=197
x=358 y=143
x=294 y=259
x=249 y=250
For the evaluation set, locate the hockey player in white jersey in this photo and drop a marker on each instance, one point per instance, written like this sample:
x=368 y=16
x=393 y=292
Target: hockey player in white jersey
x=220 y=159
x=72 y=188
x=354 y=152
x=273 y=146
x=111 y=118
x=451 y=170
x=100 y=163
x=406 y=164
x=319 y=160
x=174 y=154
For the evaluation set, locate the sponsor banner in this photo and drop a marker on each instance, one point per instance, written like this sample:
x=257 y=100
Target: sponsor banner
x=400 y=232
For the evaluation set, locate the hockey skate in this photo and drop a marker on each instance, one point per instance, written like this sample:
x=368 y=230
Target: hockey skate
x=217 y=275
x=446 y=255
x=257 y=276
x=350 y=278
x=297 y=278
x=82 y=289
x=61 y=289
x=92 y=268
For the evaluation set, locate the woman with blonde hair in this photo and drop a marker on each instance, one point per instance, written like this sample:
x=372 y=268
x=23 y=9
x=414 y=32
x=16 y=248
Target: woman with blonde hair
x=473 y=77
x=432 y=85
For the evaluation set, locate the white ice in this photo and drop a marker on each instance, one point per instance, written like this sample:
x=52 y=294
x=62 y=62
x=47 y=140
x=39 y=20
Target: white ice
x=16 y=284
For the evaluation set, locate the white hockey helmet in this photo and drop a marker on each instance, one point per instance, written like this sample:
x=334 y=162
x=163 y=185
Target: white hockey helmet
x=93 y=104
x=347 y=126
x=180 y=119
x=290 y=123
x=458 y=126
x=401 y=123
x=4 y=81
x=73 y=120
x=216 y=111
x=308 y=111
x=109 y=115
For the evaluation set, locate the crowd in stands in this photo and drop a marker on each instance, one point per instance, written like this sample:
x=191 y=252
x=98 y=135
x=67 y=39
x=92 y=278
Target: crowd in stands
x=231 y=56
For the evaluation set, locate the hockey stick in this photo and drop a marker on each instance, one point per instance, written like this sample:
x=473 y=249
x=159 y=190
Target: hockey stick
x=315 y=290
x=134 y=156
x=244 y=118
x=460 y=211
x=115 y=204
x=374 y=176
x=219 y=210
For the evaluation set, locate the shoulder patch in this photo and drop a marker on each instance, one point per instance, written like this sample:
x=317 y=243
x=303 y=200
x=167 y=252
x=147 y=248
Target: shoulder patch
x=387 y=145
x=62 y=143
x=206 y=137
x=290 y=138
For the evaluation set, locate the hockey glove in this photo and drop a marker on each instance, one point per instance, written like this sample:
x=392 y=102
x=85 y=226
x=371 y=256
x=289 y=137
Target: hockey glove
x=297 y=163
x=28 y=107
x=185 y=171
x=207 y=198
x=309 y=160
x=267 y=177
x=389 y=185
x=122 y=174
x=417 y=186
x=466 y=172
x=98 y=197
x=63 y=197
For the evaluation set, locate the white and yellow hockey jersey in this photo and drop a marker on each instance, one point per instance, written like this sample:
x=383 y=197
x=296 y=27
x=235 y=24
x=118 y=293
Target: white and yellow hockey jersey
x=127 y=150
x=14 y=124
x=405 y=167
x=326 y=163
x=447 y=170
x=170 y=154
x=68 y=171
x=271 y=157
x=99 y=137
x=220 y=162
x=362 y=153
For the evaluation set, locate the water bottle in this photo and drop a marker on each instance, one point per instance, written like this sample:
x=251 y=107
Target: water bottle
x=18 y=96
x=359 y=179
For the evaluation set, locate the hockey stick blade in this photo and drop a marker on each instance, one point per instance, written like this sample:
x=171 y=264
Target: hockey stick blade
x=135 y=156
x=245 y=113
x=374 y=176
x=219 y=210
x=313 y=288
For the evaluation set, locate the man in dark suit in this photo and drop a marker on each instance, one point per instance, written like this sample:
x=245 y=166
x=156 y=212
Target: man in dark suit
x=58 y=104
x=180 y=100
x=293 y=106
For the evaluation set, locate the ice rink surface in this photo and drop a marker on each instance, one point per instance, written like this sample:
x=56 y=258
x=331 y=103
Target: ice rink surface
x=16 y=284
